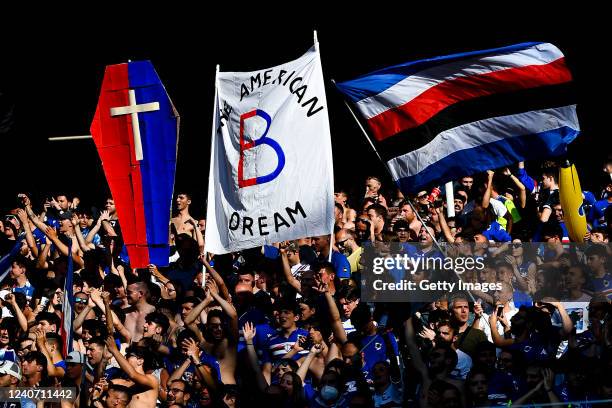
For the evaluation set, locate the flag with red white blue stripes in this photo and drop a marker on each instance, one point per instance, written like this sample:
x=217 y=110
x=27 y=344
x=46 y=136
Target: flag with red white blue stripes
x=437 y=119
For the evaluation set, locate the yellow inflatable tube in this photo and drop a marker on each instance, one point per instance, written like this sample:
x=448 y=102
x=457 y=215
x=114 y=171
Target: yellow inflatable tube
x=570 y=195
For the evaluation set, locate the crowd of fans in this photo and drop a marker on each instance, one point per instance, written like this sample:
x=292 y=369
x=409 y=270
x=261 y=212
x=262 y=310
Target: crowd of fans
x=286 y=324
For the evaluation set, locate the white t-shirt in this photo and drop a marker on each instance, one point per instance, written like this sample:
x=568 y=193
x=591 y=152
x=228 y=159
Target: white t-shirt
x=485 y=327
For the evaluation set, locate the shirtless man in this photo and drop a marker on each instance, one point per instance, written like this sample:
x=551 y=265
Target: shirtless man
x=137 y=294
x=184 y=223
x=135 y=365
x=223 y=342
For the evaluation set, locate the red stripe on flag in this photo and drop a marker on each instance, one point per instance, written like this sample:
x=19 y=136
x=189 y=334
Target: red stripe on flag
x=115 y=142
x=423 y=107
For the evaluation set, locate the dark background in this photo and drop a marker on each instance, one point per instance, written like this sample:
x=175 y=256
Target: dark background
x=51 y=72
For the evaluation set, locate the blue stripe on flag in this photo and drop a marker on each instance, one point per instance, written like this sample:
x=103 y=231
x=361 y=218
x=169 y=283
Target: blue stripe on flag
x=68 y=301
x=158 y=130
x=491 y=156
x=376 y=82
x=7 y=260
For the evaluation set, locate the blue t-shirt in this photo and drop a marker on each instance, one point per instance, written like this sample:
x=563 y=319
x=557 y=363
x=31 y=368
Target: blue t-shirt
x=279 y=345
x=596 y=215
x=271 y=252
x=375 y=352
x=496 y=233
x=602 y=285
x=27 y=290
x=341 y=265
x=257 y=318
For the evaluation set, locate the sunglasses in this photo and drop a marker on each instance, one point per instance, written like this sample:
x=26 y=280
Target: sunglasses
x=79 y=300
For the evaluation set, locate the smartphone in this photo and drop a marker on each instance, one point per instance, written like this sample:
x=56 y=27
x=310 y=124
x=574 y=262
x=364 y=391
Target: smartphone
x=44 y=301
x=500 y=310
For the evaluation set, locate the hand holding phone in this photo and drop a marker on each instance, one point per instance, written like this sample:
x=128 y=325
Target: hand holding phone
x=500 y=310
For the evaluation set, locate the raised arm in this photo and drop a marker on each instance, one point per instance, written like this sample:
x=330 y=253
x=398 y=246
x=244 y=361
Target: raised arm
x=41 y=344
x=443 y=224
x=417 y=360
x=195 y=312
x=520 y=186
x=287 y=271
x=249 y=332
x=94 y=230
x=486 y=198
x=138 y=378
x=21 y=319
x=230 y=311
x=334 y=314
x=217 y=278
x=498 y=340
x=23 y=218
x=314 y=351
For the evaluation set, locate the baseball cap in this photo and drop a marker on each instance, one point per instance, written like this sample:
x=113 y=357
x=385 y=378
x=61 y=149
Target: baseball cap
x=10 y=368
x=75 y=357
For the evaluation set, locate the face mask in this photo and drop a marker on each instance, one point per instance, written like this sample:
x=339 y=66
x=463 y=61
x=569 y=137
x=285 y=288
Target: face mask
x=329 y=393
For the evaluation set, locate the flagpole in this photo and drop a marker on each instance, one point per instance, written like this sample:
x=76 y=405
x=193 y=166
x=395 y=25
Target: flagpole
x=331 y=235
x=214 y=122
x=388 y=169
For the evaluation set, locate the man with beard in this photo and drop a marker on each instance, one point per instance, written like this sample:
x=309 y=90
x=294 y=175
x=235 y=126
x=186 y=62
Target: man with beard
x=137 y=294
x=179 y=392
x=441 y=362
x=346 y=241
x=221 y=333
x=407 y=213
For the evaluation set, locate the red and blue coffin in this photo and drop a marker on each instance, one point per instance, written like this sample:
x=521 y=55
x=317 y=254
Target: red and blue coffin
x=135 y=130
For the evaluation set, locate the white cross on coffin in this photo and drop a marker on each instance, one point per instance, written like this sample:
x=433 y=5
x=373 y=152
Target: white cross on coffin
x=133 y=109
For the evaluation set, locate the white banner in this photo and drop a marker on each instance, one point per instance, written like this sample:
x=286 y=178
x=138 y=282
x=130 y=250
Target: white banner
x=271 y=173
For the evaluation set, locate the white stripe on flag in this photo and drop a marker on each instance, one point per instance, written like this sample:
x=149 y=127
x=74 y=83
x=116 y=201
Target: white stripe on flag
x=479 y=133
x=414 y=85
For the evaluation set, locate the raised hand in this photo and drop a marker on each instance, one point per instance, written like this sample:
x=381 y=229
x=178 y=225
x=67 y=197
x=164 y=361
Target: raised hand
x=104 y=216
x=548 y=376
x=191 y=348
x=96 y=295
x=24 y=199
x=478 y=310
x=316 y=348
x=427 y=333
x=249 y=331
x=23 y=217
x=51 y=232
x=110 y=343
